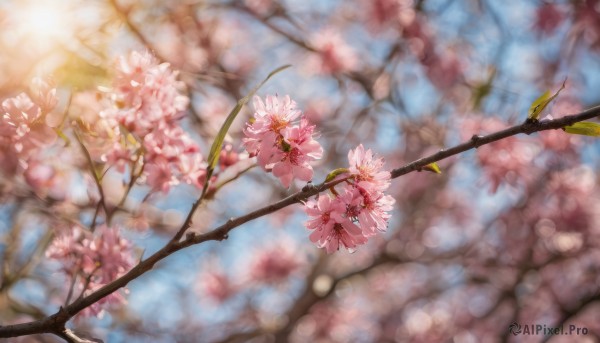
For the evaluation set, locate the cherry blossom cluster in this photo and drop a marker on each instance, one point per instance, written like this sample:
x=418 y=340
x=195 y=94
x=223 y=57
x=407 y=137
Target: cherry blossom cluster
x=282 y=139
x=359 y=211
x=93 y=260
x=23 y=128
x=144 y=121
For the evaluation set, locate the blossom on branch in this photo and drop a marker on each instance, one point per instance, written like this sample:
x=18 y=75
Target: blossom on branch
x=332 y=227
x=368 y=169
x=360 y=211
x=23 y=128
x=282 y=146
x=93 y=260
x=143 y=122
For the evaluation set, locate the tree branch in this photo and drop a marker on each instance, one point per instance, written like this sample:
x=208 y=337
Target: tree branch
x=54 y=322
x=477 y=141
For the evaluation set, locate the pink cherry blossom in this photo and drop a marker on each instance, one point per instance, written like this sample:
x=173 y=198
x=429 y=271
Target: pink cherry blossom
x=299 y=149
x=143 y=123
x=263 y=134
x=23 y=121
x=98 y=308
x=272 y=116
x=360 y=211
x=193 y=169
x=23 y=128
x=100 y=257
x=369 y=209
x=66 y=247
x=146 y=94
x=120 y=155
x=40 y=176
x=43 y=93
x=368 y=169
x=159 y=176
x=103 y=254
x=228 y=156
x=132 y=69
x=110 y=253
x=282 y=146
x=331 y=228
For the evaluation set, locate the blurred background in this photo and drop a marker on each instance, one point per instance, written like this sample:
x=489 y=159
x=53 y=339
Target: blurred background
x=506 y=234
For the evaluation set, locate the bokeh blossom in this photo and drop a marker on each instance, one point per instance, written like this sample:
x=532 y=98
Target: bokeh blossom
x=274 y=264
x=215 y=284
x=92 y=260
x=141 y=124
x=548 y=17
x=23 y=128
x=333 y=55
x=508 y=160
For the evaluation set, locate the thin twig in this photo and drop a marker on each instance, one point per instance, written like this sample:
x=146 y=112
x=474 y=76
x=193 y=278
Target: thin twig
x=93 y=171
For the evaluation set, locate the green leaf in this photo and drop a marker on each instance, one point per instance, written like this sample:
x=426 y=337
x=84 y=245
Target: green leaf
x=433 y=167
x=540 y=103
x=63 y=137
x=335 y=173
x=213 y=156
x=77 y=72
x=482 y=89
x=585 y=128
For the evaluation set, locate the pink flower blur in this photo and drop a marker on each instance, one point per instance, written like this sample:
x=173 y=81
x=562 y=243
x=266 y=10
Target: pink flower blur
x=501 y=161
x=23 y=128
x=217 y=286
x=228 y=156
x=274 y=265
x=99 y=257
x=143 y=122
x=333 y=55
x=384 y=14
x=548 y=18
